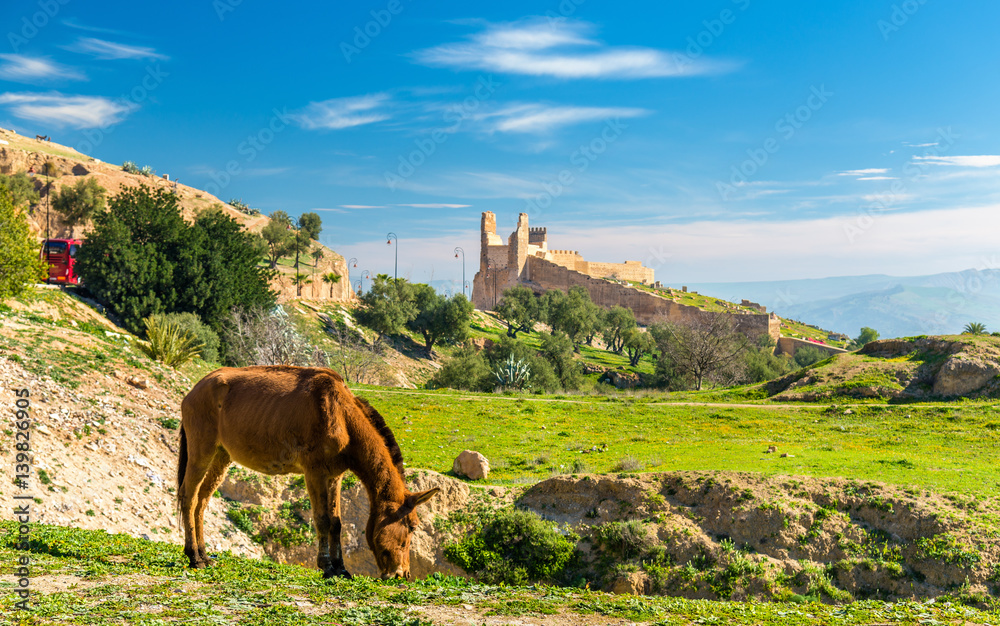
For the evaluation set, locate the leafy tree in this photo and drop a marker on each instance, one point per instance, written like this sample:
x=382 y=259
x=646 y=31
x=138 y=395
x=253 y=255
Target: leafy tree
x=277 y=237
x=867 y=335
x=331 y=278
x=637 y=344
x=576 y=315
x=519 y=309
x=19 y=262
x=387 y=305
x=974 y=328
x=711 y=349
x=22 y=189
x=439 y=318
x=761 y=364
x=311 y=224
x=807 y=355
x=558 y=350
x=79 y=203
x=615 y=321
x=142 y=258
x=467 y=370
x=282 y=218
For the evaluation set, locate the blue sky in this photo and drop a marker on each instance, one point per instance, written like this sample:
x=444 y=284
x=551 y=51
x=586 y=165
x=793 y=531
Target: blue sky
x=724 y=140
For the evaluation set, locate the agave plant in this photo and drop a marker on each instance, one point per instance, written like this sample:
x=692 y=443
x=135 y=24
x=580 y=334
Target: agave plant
x=131 y=167
x=147 y=170
x=513 y=374
x=168 y=343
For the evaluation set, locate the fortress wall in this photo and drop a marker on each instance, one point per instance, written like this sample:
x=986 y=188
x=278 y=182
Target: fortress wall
x=567 y=258
x=497 y=255
x=629 y=270
x=647 y=307
x=789 y=345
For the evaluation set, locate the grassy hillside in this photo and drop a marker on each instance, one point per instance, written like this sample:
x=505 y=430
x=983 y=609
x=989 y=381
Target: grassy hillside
x=90 y=577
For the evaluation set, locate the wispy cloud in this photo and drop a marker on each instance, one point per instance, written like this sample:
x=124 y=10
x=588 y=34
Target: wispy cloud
x=536 y=46
x=24 y=69
x=983 y=160
x=865 y=172
x=62 y=110
x=435 y=206
x=113 y=51
x=341 y=113
x=878 y=178
x=540 y=118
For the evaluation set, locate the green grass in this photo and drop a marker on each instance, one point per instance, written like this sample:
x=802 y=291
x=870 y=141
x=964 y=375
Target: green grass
x=529 y=438
x=115 y=579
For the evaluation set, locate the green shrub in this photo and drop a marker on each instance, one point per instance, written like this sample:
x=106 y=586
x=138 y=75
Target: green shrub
x=466 y=370
x=168 y=343
x=625 y=539
x=514 y=547
x=192 y=325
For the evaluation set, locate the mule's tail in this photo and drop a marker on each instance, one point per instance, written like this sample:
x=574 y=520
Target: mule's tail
x=182 y=462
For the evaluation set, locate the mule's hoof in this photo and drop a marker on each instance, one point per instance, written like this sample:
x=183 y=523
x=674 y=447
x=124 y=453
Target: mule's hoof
x=339 y=572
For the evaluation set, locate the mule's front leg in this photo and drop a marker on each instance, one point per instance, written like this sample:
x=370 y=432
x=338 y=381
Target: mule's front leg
x=336 y=554
x=318 y=485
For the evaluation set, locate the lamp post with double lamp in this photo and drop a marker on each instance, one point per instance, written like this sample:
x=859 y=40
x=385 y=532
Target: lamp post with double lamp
x=457 y=250
x=395 y=270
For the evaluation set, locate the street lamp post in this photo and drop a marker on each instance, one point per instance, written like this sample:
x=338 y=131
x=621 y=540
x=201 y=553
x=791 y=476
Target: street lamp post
x=467 y=286
x=350 y=261
x=390 y=237
x=366 y=274
x=358 y=288
x=457 y=250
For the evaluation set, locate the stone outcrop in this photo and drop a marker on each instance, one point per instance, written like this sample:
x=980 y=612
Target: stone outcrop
x=471 y=465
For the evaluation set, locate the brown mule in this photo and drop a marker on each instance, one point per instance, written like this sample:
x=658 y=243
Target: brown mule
x=284 y=419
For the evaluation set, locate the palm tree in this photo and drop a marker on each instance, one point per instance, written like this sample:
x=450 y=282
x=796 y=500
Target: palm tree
x=331 y=278
x=298 y=280
x=974 y=328
x=317 y=254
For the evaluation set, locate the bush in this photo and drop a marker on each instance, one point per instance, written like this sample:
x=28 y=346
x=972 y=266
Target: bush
x=807 y=355
x=543 y=377
x=466 y=370
x=192 y=325
x=627 y=540
x=18 y=250
x=512 y=374
x=168 y=343
x=514 y=547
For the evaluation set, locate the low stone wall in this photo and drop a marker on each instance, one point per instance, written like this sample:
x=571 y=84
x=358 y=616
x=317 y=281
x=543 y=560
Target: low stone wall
x=648 y=308
x=789 y=345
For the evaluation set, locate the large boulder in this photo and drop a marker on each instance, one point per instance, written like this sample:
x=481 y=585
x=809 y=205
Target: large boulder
x=472 y=465
x=963 y=375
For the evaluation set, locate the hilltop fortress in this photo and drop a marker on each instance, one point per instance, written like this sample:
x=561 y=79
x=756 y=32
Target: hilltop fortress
x=525 y=259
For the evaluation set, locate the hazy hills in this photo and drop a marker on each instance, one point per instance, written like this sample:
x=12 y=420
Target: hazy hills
x=896 y=306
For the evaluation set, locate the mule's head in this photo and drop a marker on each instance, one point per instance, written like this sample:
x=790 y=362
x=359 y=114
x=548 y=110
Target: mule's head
x=389 y=535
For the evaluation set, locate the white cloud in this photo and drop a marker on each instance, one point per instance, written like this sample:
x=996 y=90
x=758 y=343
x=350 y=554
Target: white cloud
x=984 y=160
x=878 y=178
x=435 y=206
x=539 y=118
x=341 y=113
x=113 y=51
x=20 y=68
x=866 y=172
x=541 y=47
x=60 y=110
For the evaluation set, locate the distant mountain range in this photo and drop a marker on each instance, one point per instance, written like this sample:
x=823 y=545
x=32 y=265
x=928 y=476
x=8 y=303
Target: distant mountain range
x=894 y=306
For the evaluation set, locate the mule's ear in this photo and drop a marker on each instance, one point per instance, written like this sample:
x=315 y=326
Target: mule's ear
x=420 y=497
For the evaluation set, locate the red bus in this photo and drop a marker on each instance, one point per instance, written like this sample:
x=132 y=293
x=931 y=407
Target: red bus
x=60 y=254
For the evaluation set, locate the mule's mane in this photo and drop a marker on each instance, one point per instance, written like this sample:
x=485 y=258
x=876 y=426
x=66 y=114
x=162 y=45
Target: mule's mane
x=383 y=429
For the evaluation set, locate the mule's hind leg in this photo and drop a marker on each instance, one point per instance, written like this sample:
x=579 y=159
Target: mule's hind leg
x=318 y=485
x=198 y=463
x=336 y=554
x=213 y=478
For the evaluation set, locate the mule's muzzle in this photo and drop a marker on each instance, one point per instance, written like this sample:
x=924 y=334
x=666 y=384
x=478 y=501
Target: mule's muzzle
x=397 y=575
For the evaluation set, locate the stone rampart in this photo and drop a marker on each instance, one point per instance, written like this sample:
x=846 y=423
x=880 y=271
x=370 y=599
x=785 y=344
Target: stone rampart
x=789 y=345
x=648 y=308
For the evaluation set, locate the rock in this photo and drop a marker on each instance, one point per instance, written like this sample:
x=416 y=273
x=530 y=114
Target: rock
x=962 y=376
x=621 y=380
x=472 y=465
x=771 y=450
x=635 y=584
x=785 y=455
x=138 y=383
x=848 y=412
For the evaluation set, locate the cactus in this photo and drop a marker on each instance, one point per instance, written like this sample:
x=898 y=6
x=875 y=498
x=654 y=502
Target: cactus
x=513 y=374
